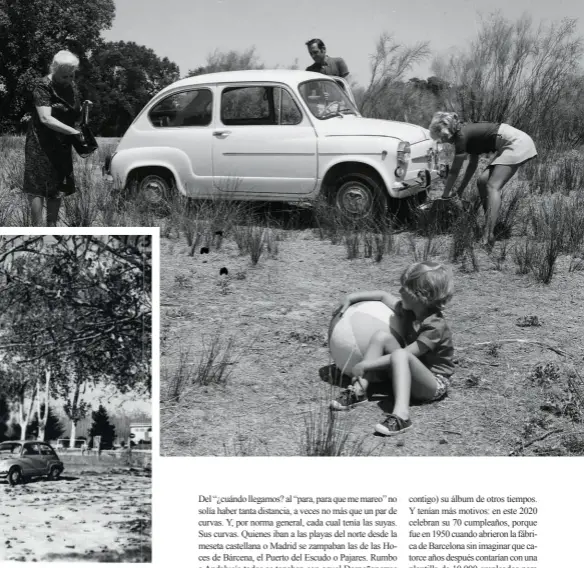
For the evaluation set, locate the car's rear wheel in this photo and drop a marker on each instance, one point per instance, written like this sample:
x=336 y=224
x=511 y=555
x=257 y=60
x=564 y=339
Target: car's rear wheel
x=55 y=473
x=15 y=476
x=359 y=196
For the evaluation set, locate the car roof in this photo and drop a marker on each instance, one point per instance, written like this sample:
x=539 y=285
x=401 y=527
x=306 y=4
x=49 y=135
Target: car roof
x=277 y=75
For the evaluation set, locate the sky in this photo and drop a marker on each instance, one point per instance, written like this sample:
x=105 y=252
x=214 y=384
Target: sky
x=186 y=31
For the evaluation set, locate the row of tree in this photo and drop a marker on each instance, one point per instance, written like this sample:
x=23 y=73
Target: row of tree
x=514 y=71
x=75 y=312
x=54 y=428
x=119 y=77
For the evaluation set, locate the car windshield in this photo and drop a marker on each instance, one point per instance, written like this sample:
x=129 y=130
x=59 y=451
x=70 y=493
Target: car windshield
x=326 y=99
x=10 y=448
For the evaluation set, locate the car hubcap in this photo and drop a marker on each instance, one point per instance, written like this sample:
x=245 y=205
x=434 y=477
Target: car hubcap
x=153 y=190
x=355 y=199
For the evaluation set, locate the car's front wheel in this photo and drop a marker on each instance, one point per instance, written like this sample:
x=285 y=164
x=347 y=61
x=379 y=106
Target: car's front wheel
x=15 y=476
x=359 y=196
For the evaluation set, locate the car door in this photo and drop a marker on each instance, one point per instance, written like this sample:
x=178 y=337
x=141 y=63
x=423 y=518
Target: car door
x=49 y=457
x=262 y=143
x=32 y=460
x=181 y=123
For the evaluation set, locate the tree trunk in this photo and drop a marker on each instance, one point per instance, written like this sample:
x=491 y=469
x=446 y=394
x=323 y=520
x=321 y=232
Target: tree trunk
x=73 y=433
x=74 y=413
x=24 y=417
x=42 y=418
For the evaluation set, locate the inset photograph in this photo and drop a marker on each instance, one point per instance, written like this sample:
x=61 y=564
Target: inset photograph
x=75 y=398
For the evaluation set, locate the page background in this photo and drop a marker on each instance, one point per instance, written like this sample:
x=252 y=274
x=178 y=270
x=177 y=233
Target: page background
x=555 y=482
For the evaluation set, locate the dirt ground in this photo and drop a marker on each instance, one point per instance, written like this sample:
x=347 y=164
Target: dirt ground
x=87 y=515
x=274 y=401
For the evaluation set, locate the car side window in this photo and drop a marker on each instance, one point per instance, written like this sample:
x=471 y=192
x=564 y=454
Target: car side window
x=32 y=450
x=187 y=108
x=258 y=105
x=246 y=106
x=12 y=449
x=47 y=451
x=287 y=111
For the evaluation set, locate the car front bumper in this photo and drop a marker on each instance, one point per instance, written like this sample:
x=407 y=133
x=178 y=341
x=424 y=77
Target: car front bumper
x=422 y=180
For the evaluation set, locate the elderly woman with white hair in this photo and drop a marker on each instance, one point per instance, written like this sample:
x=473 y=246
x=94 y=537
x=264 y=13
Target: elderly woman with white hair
x=48 y=170
x=511 y=146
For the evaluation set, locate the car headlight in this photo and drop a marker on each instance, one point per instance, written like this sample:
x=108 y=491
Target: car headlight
x=403 y=152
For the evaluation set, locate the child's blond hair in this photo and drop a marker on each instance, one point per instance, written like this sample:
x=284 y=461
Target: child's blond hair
x=429 y=282
x=444 y=126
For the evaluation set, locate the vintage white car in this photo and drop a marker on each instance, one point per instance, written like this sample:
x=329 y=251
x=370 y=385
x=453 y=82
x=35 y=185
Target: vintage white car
x=273 y=135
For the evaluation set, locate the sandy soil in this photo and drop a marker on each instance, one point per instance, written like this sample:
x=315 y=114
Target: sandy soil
x=275 y=398
x=86 y=515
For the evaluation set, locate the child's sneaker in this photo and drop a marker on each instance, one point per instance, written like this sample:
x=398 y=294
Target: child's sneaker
x=393 y=425
x=348 y=399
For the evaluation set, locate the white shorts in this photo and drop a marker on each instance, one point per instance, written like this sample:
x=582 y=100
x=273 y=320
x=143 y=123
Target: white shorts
x=514 y=147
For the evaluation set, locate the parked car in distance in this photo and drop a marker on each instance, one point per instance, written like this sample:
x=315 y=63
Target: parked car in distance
x=65 y=443
x=273 y=135
x=20 y=460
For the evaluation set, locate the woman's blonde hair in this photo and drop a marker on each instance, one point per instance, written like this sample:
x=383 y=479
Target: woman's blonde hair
x=429 y=282
x=64 y=58
x=444 y=126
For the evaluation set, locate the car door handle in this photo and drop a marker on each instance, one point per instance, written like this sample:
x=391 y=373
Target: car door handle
x=221 y=133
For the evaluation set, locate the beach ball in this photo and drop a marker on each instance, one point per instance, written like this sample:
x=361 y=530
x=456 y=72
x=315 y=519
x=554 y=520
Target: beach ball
x=349 y=334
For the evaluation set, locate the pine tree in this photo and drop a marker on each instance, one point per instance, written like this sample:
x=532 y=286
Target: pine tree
x=101 y=427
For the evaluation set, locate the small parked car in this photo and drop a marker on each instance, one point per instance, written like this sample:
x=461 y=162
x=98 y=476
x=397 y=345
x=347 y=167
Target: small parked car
x=273 y=135
x=65 y=443
x=20 y=460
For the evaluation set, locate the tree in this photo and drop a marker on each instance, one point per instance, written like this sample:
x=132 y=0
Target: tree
x=516 y=73
x=436 y=85
x=4 y=417
x=15 y=378
x=82 y=309
x=51 y=430
x=389 y=64
x=120 y=78
x=229 y=61
x=32 y=31
x=101 y=427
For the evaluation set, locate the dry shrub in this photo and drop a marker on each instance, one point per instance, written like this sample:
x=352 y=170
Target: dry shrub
x=353 y=245
x=254 y=240
x=176 y=381
x=326 y=433
x=427 y=250
x=551 y=224
x=437 y=217
x=512 y=198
